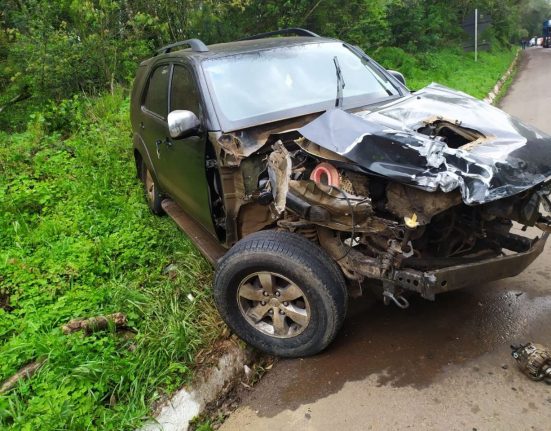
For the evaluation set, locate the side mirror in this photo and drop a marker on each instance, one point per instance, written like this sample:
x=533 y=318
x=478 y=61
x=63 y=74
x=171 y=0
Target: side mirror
x=398 y=76
x=182 y=123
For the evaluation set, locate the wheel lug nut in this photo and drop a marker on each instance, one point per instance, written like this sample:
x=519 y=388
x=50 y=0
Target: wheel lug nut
x=281 y=312
x=271 y=312
x=265 y=293
x=277 y=293
x=285 y=303
x=262 y=302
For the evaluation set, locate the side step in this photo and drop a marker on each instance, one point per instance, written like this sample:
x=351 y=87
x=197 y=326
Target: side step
x=209 y=246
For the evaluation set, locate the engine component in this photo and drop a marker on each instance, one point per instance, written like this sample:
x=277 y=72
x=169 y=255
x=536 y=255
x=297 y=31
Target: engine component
x=331 y=207
x=404 y=201
x=325 y=173
x=534 y=360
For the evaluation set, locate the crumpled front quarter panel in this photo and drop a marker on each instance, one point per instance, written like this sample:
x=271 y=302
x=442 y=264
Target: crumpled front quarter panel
x=512 y=157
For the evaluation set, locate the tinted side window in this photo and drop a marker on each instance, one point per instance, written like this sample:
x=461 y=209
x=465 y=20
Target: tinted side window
x=184 y=93
x=157 y=91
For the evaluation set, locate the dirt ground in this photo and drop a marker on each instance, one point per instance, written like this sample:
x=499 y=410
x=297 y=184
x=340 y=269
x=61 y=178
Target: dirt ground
x=443 y=365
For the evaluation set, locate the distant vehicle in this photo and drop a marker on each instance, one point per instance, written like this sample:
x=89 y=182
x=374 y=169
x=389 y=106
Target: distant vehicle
x=305 y=172
x=546 y=34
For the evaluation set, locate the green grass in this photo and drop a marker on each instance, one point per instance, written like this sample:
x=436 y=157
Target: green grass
x=453 y=68
x=77 y=240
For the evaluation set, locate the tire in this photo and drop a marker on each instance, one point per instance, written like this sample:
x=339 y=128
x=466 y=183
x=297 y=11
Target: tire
x=279 y=263
x=152 y=193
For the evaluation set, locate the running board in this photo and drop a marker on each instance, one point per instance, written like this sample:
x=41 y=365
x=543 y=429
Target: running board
x=209 y=247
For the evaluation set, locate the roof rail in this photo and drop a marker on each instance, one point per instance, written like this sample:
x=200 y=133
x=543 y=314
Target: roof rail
x=297 y=31
x=196 y=45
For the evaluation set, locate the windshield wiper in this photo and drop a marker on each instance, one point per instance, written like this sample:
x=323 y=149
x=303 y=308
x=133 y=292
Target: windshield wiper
x=340 y=82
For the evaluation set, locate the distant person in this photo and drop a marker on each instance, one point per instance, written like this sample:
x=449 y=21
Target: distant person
x=523 y=43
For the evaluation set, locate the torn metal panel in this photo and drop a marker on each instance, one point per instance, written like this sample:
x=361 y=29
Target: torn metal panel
x=242 y=143
x=511 y=158
x=279 y=172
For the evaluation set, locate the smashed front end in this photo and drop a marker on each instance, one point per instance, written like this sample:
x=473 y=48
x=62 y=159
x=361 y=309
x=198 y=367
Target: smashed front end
x=427 y=194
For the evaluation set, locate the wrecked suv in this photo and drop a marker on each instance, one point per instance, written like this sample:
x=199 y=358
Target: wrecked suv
x=307 y=173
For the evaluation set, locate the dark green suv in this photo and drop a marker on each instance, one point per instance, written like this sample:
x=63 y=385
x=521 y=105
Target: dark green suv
x=305 y=172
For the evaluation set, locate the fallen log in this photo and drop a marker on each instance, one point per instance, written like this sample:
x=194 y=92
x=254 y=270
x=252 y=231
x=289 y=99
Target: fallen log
x=24 y=373
x=94 y=324
x=16 y=99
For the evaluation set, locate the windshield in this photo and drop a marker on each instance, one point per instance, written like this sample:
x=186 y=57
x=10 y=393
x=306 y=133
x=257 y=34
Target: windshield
x=302 y=79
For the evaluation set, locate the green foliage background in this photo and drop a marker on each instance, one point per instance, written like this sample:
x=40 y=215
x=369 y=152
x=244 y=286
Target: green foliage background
x=54 y=49
x=76 y=238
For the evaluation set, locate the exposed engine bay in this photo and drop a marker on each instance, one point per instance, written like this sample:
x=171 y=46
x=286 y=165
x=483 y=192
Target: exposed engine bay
x=407 y=207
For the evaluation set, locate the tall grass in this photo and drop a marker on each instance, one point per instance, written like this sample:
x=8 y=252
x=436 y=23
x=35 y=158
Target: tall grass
x=451 y=67
x=77 y=240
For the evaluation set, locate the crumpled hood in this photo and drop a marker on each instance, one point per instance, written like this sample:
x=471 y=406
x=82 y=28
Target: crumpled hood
x=512 y=157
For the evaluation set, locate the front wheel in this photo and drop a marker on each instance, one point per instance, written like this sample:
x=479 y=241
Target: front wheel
x=281 y=293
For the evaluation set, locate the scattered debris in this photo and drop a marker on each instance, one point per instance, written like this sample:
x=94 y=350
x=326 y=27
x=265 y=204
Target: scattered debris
x=248 y=372
x=171 y=270
x=94 y=324
x=534 y=360
x=24 y=373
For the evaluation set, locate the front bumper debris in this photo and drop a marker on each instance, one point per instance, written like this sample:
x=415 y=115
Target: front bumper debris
x=429 y=283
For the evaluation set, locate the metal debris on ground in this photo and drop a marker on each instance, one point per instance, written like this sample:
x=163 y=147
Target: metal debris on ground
x=534 y=360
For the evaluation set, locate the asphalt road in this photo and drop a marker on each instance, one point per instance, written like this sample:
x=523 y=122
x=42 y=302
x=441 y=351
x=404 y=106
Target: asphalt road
x=441 y=365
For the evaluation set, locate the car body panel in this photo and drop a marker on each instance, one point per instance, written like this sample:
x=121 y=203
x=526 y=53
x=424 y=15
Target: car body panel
x=508 y=159
x=178 y=165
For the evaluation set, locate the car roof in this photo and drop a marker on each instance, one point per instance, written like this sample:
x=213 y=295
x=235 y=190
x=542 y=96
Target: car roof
x=242 y=46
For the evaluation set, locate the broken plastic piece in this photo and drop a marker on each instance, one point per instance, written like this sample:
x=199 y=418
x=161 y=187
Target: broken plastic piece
x=411 y=222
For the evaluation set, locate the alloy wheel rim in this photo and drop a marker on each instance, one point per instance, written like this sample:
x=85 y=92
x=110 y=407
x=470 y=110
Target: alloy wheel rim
x=273 y=304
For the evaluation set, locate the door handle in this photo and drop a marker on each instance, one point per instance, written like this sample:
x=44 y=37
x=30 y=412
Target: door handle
x=160 y=142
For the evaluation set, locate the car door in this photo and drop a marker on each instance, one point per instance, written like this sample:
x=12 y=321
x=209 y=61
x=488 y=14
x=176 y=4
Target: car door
x=154 y=107
x=182 y=161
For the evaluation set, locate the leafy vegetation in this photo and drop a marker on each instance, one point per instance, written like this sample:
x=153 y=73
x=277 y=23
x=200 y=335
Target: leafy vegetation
x=78 y=241
x=454 y=68
x=76 y=237
x=55 y=49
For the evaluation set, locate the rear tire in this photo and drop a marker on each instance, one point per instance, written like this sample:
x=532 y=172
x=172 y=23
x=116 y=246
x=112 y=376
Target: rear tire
x=281 y=293
x=152 y=193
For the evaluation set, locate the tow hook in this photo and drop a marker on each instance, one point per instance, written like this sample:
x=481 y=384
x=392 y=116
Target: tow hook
x=399 y=300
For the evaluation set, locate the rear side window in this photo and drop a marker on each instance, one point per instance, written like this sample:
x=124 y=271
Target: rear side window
x=157 y=91
x=184 y=93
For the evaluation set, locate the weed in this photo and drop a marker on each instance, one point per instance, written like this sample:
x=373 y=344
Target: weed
x=78 y=241
x=451 y=67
